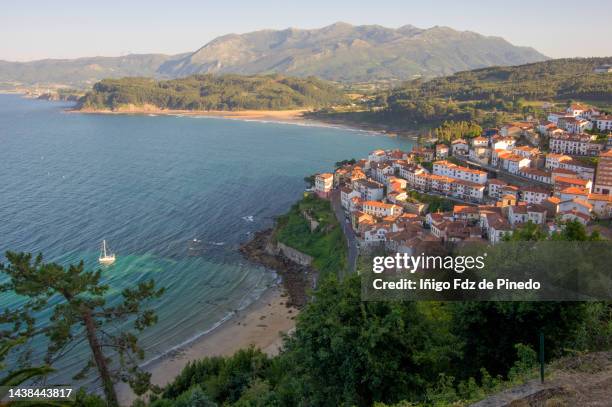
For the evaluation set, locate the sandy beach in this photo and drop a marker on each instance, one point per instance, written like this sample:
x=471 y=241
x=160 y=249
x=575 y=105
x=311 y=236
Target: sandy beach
x=289 y=116
x=298 y=116
x=259 y=325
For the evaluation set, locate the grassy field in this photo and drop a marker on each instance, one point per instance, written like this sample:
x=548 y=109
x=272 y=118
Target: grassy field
x=326 y=243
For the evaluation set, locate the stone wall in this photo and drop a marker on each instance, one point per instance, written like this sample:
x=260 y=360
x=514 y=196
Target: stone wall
x=311 y=221
x=294 y=255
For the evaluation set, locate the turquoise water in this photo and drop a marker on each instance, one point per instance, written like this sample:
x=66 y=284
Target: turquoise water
x=149 y=185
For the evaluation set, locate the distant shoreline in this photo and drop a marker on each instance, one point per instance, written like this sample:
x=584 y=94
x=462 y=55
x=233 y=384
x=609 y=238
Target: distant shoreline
x=295 y=116
x=271 y=115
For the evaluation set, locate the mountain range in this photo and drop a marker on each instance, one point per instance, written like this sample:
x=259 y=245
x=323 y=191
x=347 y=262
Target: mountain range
x=339 y=52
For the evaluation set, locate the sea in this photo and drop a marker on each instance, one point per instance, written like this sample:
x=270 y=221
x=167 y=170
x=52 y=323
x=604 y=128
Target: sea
x=149 y=186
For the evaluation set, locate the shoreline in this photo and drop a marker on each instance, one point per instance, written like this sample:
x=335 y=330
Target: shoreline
x=295 y=117
x=261 y=324
x=292 y=116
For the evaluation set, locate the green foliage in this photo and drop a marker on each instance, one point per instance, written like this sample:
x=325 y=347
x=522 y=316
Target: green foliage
x=79 y=311
x=575 y=231
x=208 y=92
x=194 y=397
x=326 y=244
x=490 y=330
x=347 y=352
x=443 y=392
x=84 y=399
x=527 y=358
x=310 y=180
x=223 y=379
x=487 y=96
x=258 y=394
x=435 y=203
x=342 y=163
x=450 y=131
x=350 y=352
x=528 y=232
x=570 y=231
x=554 y=79
x=596 y=331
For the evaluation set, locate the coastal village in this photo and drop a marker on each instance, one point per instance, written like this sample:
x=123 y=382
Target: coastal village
x=546 y=173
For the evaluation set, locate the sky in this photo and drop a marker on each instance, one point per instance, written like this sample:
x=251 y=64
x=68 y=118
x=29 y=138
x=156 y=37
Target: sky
x=37 y=29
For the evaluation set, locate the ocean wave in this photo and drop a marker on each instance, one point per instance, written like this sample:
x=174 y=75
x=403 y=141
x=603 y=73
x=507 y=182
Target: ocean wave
x=247 y=301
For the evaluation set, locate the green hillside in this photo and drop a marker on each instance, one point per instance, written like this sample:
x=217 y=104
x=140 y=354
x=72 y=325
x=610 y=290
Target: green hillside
x=484 y=95
x=208 y=92
x=554 y=79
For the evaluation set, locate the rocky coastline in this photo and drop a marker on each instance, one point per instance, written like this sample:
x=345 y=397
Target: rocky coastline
x=296 y=279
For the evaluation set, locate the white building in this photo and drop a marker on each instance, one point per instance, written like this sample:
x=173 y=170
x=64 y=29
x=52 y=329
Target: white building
x=574 y=125
x=380 y=209
x=513 y=163
x=381 y=171
x=536 y=174
x=576 y=205
x=375 y=235
x=495 y=187
x=584 y=171
x=602 y=205
x=497 y=227
x=441 y=151
x=555 y=116
x=534 y=195
x=603 y=123
x=480 y=141
x=572 y=144
x=467 y=190
x=369 y=190
x=377 y=156
x=346 y=194
x=410 y=171
x=525 y=151
x=460 y=147
x=451 y=170
x=323 y=184
x=502 y=143
x=553 y=160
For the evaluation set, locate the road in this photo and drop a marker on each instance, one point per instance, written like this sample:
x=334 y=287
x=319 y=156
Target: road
x=351 y=239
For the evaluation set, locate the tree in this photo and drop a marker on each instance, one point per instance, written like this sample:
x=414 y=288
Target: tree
x=351 y=352
x=342 y=163
x=575 y=231
x=490 y=330
x=529 y=232
x=80 y=310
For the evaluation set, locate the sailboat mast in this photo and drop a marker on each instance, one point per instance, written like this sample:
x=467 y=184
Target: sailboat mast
x=104 y=247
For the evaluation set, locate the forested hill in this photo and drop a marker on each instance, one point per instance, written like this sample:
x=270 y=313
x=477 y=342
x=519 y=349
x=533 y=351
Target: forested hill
x=489 y=96
x=553 y=79
x=208 y=92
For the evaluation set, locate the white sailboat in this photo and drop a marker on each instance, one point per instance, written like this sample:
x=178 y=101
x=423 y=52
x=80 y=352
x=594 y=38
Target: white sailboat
x=106 y=257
